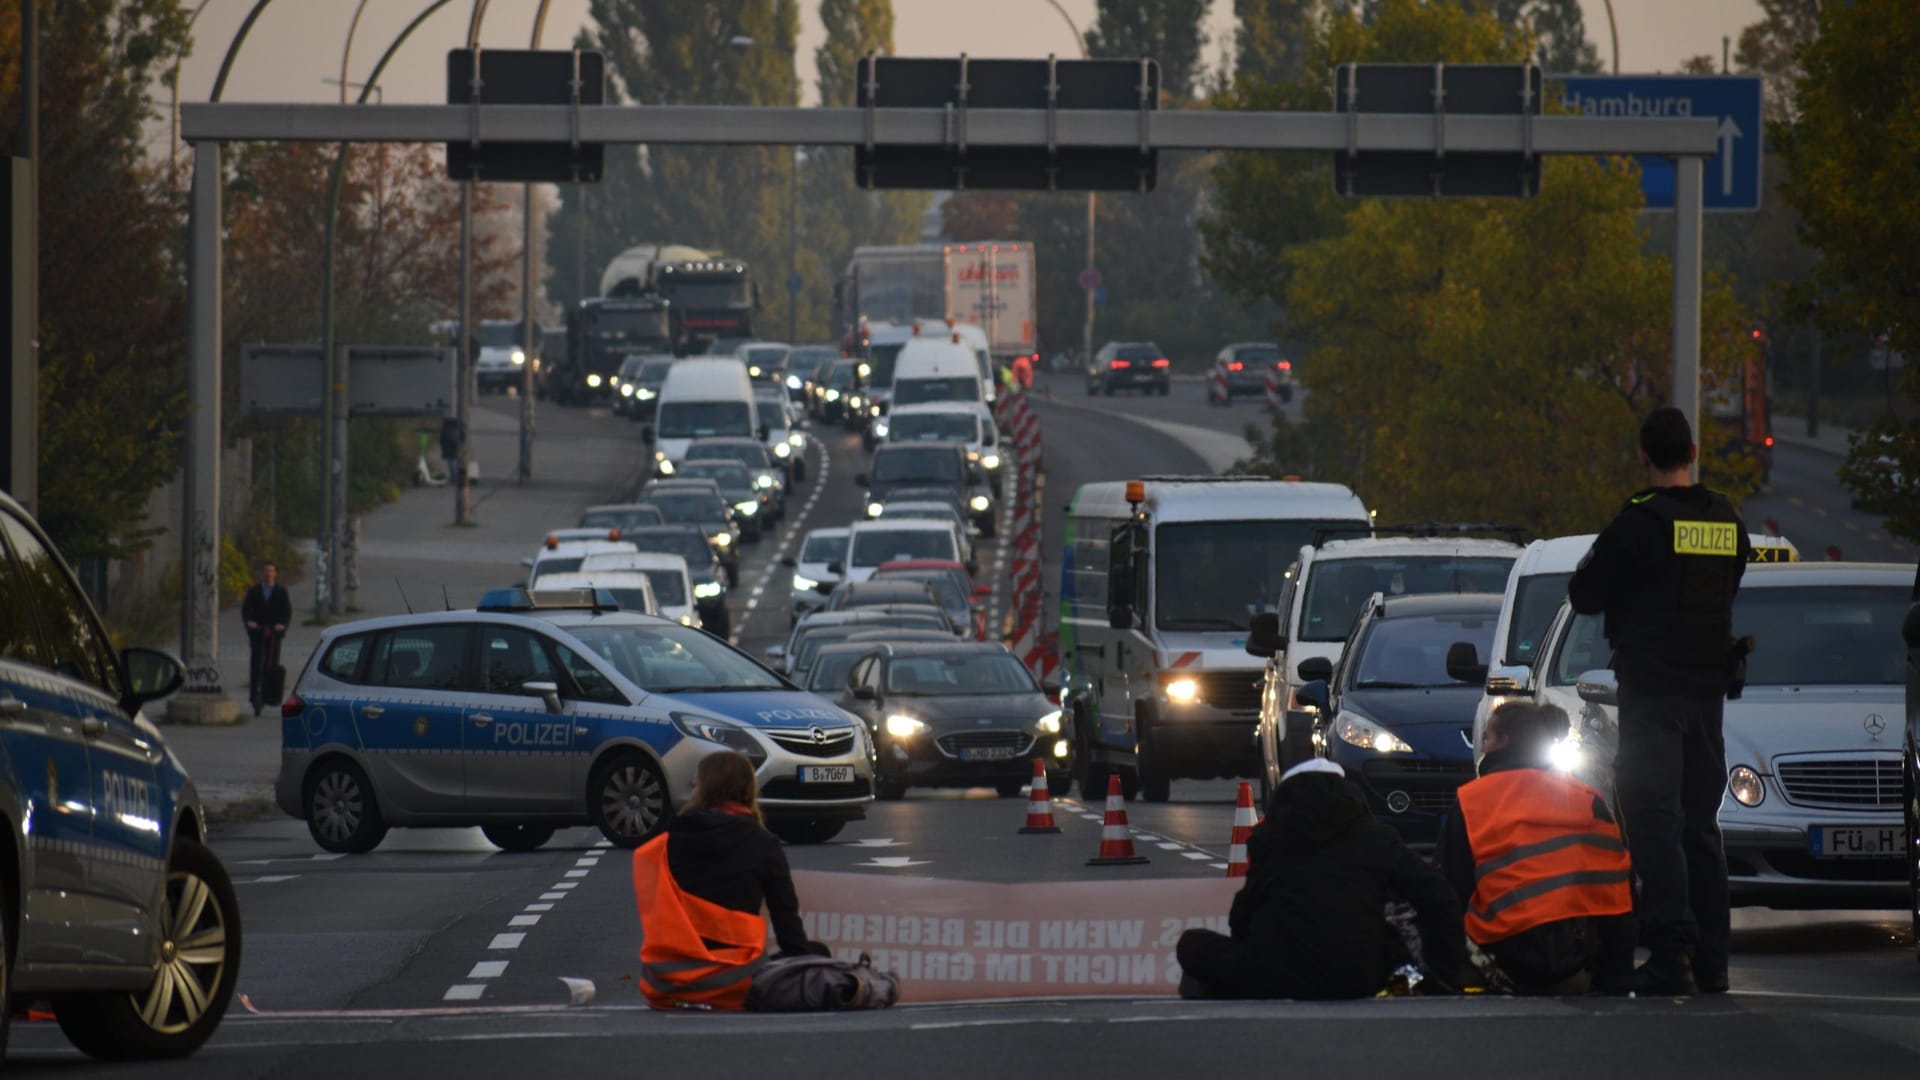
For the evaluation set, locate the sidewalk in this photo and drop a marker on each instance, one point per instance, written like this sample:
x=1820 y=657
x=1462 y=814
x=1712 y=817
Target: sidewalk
x=410 y=551
x=1793 y=430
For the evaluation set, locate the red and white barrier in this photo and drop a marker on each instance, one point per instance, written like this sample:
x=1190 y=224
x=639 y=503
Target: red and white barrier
x=1273 y=390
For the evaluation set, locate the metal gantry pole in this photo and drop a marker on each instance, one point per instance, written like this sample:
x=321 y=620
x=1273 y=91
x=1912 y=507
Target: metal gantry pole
x=1086 y=331
x=463 y=390
x=22 y=452
x=203 y=696
x=1687 y=194
x=529 y=327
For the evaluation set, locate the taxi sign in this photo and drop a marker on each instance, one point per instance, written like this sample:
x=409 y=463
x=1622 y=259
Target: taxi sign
x=518 y=599
x=1773 y=549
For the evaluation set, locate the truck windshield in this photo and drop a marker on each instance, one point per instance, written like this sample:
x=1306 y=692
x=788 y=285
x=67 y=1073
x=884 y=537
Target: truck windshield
x=615 y=324
x=705 y=419
x=715 y=292
x=918 y=391
x=498 y=335
x=1338 y=587
x=1216 y=575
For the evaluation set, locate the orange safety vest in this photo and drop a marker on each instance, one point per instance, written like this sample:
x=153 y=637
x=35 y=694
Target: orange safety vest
x=1023 y=372
x=1540 y=854
x=693 y=951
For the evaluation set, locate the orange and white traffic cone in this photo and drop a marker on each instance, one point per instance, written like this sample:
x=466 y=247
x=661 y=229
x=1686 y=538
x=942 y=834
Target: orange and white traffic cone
x=1040 y=803
x=1243 y=823
x=1116 y=839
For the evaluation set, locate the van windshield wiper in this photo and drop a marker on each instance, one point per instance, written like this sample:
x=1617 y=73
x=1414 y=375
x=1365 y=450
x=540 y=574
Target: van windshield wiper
x=1201 y=624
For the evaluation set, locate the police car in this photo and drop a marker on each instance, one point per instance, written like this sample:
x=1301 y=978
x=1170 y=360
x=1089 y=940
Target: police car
x=538 y=711
x=110 y=901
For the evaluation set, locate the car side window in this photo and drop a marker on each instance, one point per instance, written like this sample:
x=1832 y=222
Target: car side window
x=345 y=656
x=19 y=635
x=510 y=658
x=71 y=642
x=585 y=681
x=422 y=658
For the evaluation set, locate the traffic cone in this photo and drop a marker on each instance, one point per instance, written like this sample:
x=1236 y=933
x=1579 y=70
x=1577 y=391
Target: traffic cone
x=1040 y=803
x=1243 y=824
x=1116 y=840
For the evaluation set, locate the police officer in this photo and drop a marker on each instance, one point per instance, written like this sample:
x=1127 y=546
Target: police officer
x=1664 y=573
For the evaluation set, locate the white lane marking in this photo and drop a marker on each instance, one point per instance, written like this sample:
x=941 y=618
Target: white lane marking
x=1170 y=847
x=790 y=530
x=1006 y=1022
x=464 y=992
x=269 y=879
x=534 y=920
x=488 y=969
x=506 y=941
x=876 y=841
x=587 y=864
x=538 y=907
x=894 y=862
x=1218 y=865
x=603 y=843
x=576 y=873
x=553 y=896
x=566 y=884
x=1195 y=855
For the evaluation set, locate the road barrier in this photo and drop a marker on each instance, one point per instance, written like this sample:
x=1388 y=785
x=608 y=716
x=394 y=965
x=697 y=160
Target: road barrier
x=1217 y=390
x=1039 y=803
x=1116 y=836
x=1243 y=822
x=1020 y=440
x=1273 y=390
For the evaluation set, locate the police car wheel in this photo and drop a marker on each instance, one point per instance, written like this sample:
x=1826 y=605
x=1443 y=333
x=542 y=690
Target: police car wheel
x=199 y=960
x=342 y=812
x=806 y=830
x=516 y=837
x=629 y=799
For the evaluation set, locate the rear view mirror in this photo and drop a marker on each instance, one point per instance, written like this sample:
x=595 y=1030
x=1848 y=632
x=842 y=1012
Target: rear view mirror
x=1463 y=664
x=1311 y=695
x=788 y=560
x=1598 y=687
x=776 y=652
x=1263 y=636
x=646 y=434
x=836 y=567
x=1315 y=669
x=549 y=692
x=865 y=693
x=151 y=675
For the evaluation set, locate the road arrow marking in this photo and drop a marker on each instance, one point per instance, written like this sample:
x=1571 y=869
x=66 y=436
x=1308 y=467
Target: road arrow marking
x=893 y=862
x=1729 y=131
x=876 y=841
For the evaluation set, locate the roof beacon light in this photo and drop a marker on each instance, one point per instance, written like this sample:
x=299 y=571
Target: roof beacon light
x=1136 y=492
x=552 y=541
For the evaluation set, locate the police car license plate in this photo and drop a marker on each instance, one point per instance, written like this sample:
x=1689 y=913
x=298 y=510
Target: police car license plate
x=826 y=774
x=1855 y=841
x=987 y=753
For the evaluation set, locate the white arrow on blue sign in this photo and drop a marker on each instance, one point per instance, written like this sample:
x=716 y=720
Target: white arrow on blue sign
x=1732 y=175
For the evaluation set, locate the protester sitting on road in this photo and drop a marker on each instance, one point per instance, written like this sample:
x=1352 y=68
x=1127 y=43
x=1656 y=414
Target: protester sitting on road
x=1310 y=922
x=701 y=886
x=1537 y=859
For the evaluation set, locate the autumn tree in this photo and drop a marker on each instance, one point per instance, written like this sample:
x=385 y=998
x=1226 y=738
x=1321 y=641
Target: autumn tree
x=1170 y=31
x=1855 y=150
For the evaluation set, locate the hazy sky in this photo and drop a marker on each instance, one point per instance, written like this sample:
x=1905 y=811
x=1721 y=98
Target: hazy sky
x=296 y=44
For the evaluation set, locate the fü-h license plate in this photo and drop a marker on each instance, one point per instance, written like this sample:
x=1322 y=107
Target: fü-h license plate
x=1855 y=841
x=826 y=774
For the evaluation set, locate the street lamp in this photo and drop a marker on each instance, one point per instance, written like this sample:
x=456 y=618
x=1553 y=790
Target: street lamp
x=1086 y=330
x=743 y=41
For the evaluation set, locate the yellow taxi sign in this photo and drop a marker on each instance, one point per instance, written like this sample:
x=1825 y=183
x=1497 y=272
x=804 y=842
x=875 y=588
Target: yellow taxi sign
x=1773 y=549
x=1706 y=538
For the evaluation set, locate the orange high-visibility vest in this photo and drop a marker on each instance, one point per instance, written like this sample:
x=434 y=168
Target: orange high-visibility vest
x=693 y=951
x=1540 y=854
x=1023 y=371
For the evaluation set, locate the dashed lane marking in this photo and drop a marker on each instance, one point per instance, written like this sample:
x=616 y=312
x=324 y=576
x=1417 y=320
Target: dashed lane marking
x=488 y=969
x=524 y=920
x=576 y=873
x=1199 y=855
x=464 y=992
x=538 y=907
x=506 y=941
x=790 y=530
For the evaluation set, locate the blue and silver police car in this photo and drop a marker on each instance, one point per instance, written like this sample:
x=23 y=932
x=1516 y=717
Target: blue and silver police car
x=111 y=906
x=543 y=710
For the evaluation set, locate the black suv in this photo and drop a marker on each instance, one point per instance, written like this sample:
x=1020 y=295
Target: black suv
x=900 y=466
x=1129 y=365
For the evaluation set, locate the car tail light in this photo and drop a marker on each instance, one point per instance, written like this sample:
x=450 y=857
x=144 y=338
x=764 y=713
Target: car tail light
x=1236 y=366
x=1163 y=362
x=1117 y=364
x=1286 y=365
x=292 y=707
x=1769 y=440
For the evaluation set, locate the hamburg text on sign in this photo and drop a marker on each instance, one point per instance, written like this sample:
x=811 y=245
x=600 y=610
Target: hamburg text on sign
x=1733 y=178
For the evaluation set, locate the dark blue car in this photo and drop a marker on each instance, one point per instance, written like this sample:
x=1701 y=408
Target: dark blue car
x=1395 y=720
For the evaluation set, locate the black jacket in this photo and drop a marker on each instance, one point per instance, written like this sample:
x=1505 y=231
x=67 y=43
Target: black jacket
x=1669 y=614
x=731 y=860
x=1320 y=872
x=1544 y=954
x=269 y=612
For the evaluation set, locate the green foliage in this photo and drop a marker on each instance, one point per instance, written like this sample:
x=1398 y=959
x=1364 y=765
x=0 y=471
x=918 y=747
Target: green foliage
x=1270 y=42
x=1169 y=31
x=107 y=439
x=1855 y=150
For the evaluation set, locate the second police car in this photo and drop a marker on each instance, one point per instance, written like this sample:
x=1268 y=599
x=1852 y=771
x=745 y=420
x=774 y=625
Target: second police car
x=540 y=711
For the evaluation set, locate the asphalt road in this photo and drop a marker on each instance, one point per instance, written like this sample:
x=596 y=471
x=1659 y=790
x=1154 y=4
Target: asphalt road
x=439 y=953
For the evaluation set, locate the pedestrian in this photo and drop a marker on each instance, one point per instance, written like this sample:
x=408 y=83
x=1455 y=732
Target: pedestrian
x=1023 y=372
x=1664 y=573
x=1310 y=922
x=1538 y=862
x=700 y=887
x=266 y=609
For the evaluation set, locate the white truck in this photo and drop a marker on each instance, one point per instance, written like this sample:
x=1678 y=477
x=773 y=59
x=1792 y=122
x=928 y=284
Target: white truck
x=989 y=284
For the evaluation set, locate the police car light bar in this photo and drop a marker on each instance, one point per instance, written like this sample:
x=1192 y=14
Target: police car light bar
x=518 y=599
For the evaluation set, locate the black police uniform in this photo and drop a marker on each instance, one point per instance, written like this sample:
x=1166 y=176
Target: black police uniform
x=1664 y=572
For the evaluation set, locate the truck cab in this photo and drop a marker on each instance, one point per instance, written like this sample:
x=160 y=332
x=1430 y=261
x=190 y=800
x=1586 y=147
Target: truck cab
x=1161 y=580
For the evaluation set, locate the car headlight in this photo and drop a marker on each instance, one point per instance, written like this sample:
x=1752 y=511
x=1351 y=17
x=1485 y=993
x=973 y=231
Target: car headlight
x=973 y=455
x=875 y=410
x=991 y=461
x=904 y=727
x=519 y=357
x=593 y=380
x=796 y=440
x=875 y=509
x=646 y=394
x=1566 y=755
x=748 y=508
x=763 y=480
x=1745 y=785
x=724 y=539
x=793 y=382
x=753 y=372
x=1048 y=724
x=803 y=583
x=880 y=429
x=707 y=590
x=980 y=503
x=1183 y=691
x=853 y=401
x=833 y=395
x=713 y=730
x=1367 y=735
x=626 y=389
x=782 y=450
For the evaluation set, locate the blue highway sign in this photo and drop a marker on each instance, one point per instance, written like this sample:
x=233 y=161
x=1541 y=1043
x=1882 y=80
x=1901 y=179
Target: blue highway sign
x=1732 y=175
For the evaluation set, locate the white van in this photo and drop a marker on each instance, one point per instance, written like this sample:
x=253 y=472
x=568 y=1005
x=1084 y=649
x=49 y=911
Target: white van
x=937 y=370
x=701 y=399
x=973 y=338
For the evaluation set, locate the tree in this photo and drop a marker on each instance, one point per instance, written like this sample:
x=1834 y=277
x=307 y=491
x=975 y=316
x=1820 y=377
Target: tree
x=1854 y=152
x=1558 y=27
x=112 y=309
x=1270 y=43
x=1772 y=47
x=1169 y=31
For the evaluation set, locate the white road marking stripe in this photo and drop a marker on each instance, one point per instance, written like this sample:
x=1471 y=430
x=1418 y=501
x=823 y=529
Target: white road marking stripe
x=506 y=941
x=534 y=920
x=553 y=896
x=538 y=907
x=464 y=992
x=488 y=969
x=576 y=873
x=1195 y=855
x=1170 y=847
x=566 y=885
x=1218 y=865
x=603 y=843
